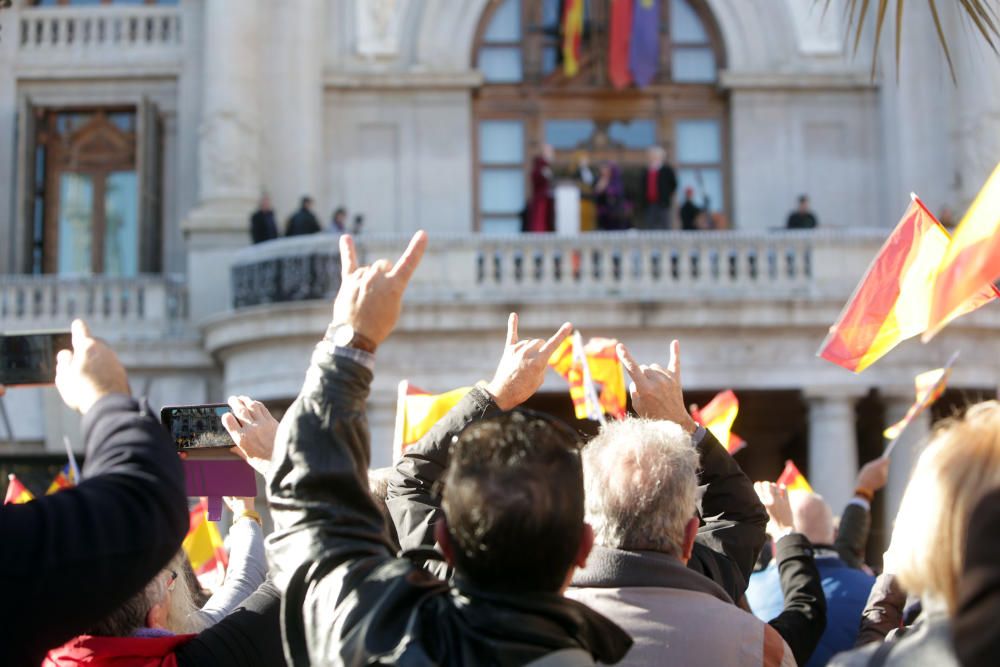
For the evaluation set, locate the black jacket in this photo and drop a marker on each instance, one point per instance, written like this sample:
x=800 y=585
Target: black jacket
x=68 y=560
x=666 y=186
x=302 y=222
x=803 y=620
x=263 y=227
x=977 y=641
x=347 y=600
x=852 y=536
x=733 y=519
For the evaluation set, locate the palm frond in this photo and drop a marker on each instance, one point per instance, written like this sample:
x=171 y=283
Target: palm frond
x=983 y=16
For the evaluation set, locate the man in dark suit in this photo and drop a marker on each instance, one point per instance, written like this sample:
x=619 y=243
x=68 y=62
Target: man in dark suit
x=802 y=217
x=262 y=224
x=658 y=186
x=302 y=221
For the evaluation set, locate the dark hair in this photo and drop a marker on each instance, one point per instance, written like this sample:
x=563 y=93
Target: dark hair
x=803 y=199
x=340 y=210
x=513 y=497
x=306 y=200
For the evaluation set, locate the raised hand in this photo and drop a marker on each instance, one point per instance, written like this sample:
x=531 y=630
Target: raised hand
x=370 y=297
x=873 y=475
x=253 y=433
x=775 y=501
x=89 y=372
x=521 y=370
x=656 y=391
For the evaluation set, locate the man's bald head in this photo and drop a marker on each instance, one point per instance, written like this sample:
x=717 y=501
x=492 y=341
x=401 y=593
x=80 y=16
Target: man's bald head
x=812 y=517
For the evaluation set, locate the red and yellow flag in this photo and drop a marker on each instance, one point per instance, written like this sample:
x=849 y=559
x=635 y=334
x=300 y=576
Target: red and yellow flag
x=929 y=388
x=203 y=545
x=17 y=493
x=572 y=34
x=718 y=417
x=417 y=411
x=893 y=300
x=793 y=480
x=972 y=261
x=595 y=375
x=64 y=480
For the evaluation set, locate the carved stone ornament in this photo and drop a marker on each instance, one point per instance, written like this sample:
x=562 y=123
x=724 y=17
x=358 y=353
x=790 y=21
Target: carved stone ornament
x=227 y=154
x=379 y=24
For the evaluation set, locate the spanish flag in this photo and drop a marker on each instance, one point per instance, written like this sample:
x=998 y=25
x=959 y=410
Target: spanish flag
x=718 y=417
x=893 y=300
x=793 y=480
x=417 y=411
x=595 y=375
x=64 y=480
x=572 y=34
x=203 y=544
x=929 y=388
x=971 y=263
x=17 y=493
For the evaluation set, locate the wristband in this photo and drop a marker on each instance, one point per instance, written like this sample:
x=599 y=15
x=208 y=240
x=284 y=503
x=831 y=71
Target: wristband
x=862 y=492
x=250 y=514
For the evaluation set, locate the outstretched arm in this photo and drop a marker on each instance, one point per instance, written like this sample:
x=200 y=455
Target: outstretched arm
x=855 y=522
x=114 y=531
x=733 y=518
x=413 y=499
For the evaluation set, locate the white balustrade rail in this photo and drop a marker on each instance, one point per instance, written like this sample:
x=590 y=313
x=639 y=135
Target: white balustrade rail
x=642 y=266
x=138 y=307
x=113 y=29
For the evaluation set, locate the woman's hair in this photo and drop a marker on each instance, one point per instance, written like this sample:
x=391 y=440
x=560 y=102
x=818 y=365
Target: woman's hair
x=959 y=466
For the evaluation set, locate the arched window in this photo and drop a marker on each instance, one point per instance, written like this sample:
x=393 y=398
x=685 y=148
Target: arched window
x=527 y=100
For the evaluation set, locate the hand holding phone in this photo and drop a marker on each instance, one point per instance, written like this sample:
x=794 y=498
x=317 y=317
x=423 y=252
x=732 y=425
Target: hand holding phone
x=197 y=427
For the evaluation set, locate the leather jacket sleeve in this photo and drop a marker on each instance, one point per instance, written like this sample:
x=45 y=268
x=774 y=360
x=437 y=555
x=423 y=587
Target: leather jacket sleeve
x=413 y=499
x=883 y=612
x=803 y=619
x=328 y=531
x=976 y=640
x=852 y=538
x=733 y=520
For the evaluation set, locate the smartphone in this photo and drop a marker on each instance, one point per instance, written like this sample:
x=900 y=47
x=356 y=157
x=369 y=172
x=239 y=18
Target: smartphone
x=30 y=357
x=197 y=427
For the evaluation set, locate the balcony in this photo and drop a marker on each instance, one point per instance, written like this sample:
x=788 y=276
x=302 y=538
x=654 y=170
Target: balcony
x=140 y=40
x=124 y=309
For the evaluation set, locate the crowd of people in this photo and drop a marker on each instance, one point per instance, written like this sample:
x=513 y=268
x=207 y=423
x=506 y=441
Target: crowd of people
x=498 y=539
x=264 y=226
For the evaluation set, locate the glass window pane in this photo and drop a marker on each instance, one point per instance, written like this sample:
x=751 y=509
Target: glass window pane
x=703 y=182
x=76 y=209
x=500 y=65
x=501 y=141
x=568 y=133
x=685 y=26
x=505 y=26
x=692 y=65
x=550 y=58
x=121 y=224
x=634 y=133
x=698 y=141
x=550 y=13
x=123 y=120
x=501 y=191
x=501 y=226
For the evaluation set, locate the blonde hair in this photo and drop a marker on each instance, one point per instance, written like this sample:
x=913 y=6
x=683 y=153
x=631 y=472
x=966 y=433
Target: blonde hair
x=959 y=466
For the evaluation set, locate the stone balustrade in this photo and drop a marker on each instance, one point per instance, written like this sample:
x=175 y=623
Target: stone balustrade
x=111 y=30
x=642 y=266
x=125 y=308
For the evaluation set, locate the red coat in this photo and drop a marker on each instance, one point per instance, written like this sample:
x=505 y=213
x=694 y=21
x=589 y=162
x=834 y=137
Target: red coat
x=117 y=652
x=541 y=209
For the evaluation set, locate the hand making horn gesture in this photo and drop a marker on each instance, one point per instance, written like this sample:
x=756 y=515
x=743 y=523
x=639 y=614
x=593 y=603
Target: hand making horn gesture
x=656 y=391
x=521 y=370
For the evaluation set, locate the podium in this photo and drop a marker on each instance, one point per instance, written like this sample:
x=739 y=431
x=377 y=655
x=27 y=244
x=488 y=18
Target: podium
x=567 y=204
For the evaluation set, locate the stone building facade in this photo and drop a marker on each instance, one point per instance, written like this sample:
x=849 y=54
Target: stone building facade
x=135 y=140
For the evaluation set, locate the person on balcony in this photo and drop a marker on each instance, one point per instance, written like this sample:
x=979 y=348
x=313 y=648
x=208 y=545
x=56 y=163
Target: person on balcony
x=303 y=221
x=658 y=186
x=262 y=224
x=541 y=207
x=338 y=223
x=613 y=209
x=802 y=217
x=693 y=217
x=585 y=178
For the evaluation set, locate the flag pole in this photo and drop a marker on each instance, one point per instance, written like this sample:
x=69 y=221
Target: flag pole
x=892 y=443
x=73 y=467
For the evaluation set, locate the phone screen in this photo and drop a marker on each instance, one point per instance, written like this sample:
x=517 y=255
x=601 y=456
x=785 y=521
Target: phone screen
x=196 y=426
x=30 y=358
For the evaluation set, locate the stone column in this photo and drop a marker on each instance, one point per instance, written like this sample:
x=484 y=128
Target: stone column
x=907 y=450
x=833 y=444
x=228 y=149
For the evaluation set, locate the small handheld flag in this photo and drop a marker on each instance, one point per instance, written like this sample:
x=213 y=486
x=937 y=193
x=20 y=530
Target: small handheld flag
x=929 y=388
x=64 y=480
x=718 y=417
x=595 y=375
x=793 y=480
x=17 y=493
x=204 y=545
x=417 y=411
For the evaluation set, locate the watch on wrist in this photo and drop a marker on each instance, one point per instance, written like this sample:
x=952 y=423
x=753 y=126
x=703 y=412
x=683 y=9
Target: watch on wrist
x=344 y=335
